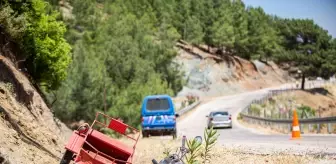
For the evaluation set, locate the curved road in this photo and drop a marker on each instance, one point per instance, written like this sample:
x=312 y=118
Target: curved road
x=251 y=140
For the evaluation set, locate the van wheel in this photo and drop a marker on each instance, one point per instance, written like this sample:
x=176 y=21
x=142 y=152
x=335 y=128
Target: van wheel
x=145 y=134
x=174 y=134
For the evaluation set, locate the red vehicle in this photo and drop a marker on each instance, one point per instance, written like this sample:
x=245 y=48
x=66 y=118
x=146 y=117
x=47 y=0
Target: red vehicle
x=89 y=146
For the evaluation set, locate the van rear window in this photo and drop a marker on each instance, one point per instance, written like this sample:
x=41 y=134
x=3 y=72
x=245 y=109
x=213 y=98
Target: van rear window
x=157 y=104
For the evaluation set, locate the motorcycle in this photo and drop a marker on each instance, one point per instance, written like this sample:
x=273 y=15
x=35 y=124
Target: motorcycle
x=177 y=157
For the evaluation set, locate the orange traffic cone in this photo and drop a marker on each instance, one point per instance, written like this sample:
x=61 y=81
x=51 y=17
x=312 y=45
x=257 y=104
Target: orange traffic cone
x=296 y=127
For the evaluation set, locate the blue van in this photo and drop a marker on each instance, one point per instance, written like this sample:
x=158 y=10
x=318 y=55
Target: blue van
x=158 y=116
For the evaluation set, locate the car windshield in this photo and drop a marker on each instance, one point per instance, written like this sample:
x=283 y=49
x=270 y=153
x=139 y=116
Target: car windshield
x=220 y=114
x=157 y=104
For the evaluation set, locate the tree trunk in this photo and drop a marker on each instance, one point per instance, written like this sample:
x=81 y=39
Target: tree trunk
x=184 y=31
x=105 y=100
x=303 y=81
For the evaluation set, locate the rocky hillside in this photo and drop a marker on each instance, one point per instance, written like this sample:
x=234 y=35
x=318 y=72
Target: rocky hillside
x=29 y=132
x=209 y=75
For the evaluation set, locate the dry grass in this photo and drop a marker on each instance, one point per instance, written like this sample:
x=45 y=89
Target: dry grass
x=150 y=148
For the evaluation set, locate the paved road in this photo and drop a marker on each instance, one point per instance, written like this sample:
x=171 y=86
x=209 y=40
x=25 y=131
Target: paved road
x=253 y=140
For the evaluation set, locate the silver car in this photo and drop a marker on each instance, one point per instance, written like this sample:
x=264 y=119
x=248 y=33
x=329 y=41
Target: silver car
x=219 y=119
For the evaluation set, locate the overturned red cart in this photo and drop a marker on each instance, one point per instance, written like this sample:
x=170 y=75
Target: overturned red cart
x=87 y=145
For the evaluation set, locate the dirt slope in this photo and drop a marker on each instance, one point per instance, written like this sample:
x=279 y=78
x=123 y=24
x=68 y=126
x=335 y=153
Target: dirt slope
x=209 y=75
x=29 y=132
x=323 y=98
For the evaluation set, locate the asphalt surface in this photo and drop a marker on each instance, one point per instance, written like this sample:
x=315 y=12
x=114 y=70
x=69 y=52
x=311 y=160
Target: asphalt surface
x=252 y=140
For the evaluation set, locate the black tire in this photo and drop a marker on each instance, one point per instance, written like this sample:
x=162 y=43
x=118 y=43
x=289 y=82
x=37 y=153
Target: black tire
x=145 y=134
x=174 y=134
x=67 y=157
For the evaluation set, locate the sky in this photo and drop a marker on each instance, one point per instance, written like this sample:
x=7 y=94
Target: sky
x=323 y=12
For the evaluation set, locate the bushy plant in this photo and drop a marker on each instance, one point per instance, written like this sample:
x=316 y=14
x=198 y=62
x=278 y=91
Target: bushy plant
x=199 y=152
x=255 y=109
x=310 y=112
x=239 y=117
x=40 y=36
x=210 y=137
x=194 y=151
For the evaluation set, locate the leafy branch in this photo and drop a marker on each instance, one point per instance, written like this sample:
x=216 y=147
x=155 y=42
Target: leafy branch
x=196 y=150
x=210 y=137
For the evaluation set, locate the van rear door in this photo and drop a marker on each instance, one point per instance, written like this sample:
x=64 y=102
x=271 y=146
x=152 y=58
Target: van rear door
x=158 y=113
x=159 y=121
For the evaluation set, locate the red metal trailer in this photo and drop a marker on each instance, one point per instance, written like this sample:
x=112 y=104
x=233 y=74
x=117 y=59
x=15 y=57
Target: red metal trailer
x=89 y=146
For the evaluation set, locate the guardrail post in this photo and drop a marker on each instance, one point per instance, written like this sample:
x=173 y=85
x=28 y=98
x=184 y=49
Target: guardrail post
x=279 y=127
x=318 y=128
x=310 y=128
x=329 y=128
x=289 y=128
x=301 y=128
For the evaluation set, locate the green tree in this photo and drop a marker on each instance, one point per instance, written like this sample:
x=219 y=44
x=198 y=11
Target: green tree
x=208 y=16
x=263 y=40
x=127 y=57
x=194 y=30
x=222 y=29
x=45 y=52
x=240 y=23
x=126 y=49
x=308 y=46
x=182 y=12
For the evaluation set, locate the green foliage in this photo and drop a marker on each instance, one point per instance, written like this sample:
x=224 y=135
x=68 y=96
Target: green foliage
x=210 y=137
x=194 y=151
x=262 y=38
x=40 y=37
x=15 y=26
x=199 y=151
x=310 y=112
x=166 y=152
x=240 y=23
x=308 y=46
x=127 y=57
x=222 y=29
x=126 y=49
x=256 y=109
x=239 y=117
x=194 y=30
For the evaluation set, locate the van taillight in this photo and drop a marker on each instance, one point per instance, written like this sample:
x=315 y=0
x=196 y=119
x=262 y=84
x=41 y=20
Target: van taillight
x=211 y=119
x=174 y=118
x=142 y=119
x=230 y=117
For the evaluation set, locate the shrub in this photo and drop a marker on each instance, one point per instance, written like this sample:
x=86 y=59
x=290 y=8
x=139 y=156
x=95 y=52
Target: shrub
x=239 y=117
x=194 y=151
x=197 y=151
x=41 y=38
x=308 y=110
x=255 y=109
